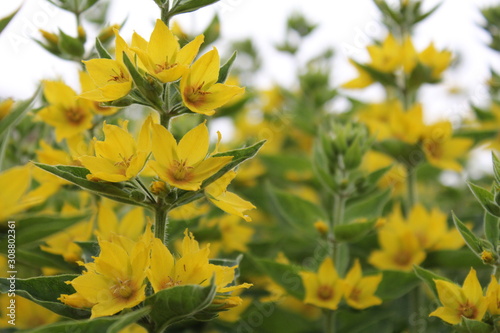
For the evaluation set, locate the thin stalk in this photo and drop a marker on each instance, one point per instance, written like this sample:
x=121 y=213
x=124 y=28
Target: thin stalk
x=161 y=223
x=3 y=147
x=141 y=184
x=329 y=321
x=411 y=186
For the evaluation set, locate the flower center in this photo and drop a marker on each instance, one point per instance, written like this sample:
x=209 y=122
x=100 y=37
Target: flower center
x=195 y=95
x=402 y=258
x=325 y=293
x=170 y=283
x=118 y=77
x=75 y=115
x=122 y=289
x=467 y=310
x=124 y=163
x=434 y=148
x=355 y=293
x=181 y=171
x=164 y=67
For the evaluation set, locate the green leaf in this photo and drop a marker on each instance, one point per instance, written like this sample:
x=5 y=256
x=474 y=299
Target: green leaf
x=70 y=45
x=428 y=278
x=44 y=291
x=374 y=177
x=226 y=68
x=396 y=284
x=491 y=229
x=112 y=324
x=101 y=50
x=485 y=198
x=427 y=14
x=89 y=250
x=37 y=258
x=286 y=276
x=297 y=212
x=409 y=155
x=478 y=135
x=173 y=305
x=17 y=113
x=473 y=326
x=77 y=175
x=471 y=240
x=212 y=33
x=384 y=78
x=34 y=228
x=353 y=232
x=4 y=21
x=186 y=6
x=369 y=208
x=452 y=259
x=496 y=167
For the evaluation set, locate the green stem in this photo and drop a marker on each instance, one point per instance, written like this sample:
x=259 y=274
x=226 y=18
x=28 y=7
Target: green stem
x=339 y=202
x=3 y=148
x=329 y=316
x=411 y=186
x=141 y=184
x=161 y=223
x=165 y=119
x=496 y=272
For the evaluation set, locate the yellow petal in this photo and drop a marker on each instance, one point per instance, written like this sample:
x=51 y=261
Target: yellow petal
x=190 y=50
x=164 y=146
x=233 y=204
x=193 y=147
x=448 y=315
x=205 y=71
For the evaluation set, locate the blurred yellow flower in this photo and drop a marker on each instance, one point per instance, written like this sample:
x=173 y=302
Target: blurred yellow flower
x=466 y=301
x=199 y=88
x=67 y=114
x=324 y=288
x=436 y=60
x=33 y=315
x=359 y=291
x=229 y=202
x=130 y=226
x=184 y=165
x=363 y=80
x=5 y=107
x=493 y=296
x=386 y=57
x=163 y=58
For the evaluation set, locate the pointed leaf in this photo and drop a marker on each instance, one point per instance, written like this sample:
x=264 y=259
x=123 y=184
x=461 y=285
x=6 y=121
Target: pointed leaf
x=5 y=20
x=428 y=278
x=485 y=198
x=396 y=284
x=473 y=326
x=70 y=45
x=101 y=50
x=112 y=324
x=368 y=208
x=179 y=303
x=45 y=291
x=186 y=6
x=286 y=276
x=353 y=232
x=491 y=229
x=226 y=68
x=471 y=240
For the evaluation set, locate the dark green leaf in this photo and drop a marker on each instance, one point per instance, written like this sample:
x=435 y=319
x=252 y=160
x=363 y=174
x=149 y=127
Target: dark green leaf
x=45 y=291
x=226 y=68
x=89 y=250
x=471 y=240
x=32 y=228
x=368 y=208
x=112 y=324
x=427 y=14
x=179 y=303
x=409 y=155
x=396 y=284
x=353 y=232
x=485 y=198
x=4 y=21
x=496 y=167
x=297 y=212
x=37 y=258
x=17 y=113
x=478 y=135
x=491 y=230
x=186 y=6
x=146 y=89
x=77 y=175
x=454 y=259
x=473 y=326
x=70 y=45
x=212 y=33
x=286 y=276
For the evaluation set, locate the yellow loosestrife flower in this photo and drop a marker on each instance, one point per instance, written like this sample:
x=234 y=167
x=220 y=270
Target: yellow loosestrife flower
x=130 y=226
x=493 y=297
x=33 y=315
x=386 y=57
x=88 y=84
x=5 y=107
x=115 y=280
x=324 y=288
x=199 y=88
x=184 y=165
x=359 y=290
x=68 y=115
x=119 y=157
x=438 y=61
x=111 y=78
x=441 y=149
x=227 y=201
x=163 y=58
x=363 y=80
x=466 y=301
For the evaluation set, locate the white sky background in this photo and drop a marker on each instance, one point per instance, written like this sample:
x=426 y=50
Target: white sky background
x=347 y=26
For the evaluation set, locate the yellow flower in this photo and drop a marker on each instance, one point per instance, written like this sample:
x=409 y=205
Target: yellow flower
x=33 y=315
x=199 y=88
x=436 y=60
x=88 y=84
x=401 y=248
x=466 y=301
x=65 y=112
x=115 y=280
x=63 y=242
x=131 y=225
x=395 y=178
x=359 y=290
x=493 y=296
x=441 y=149
x=229 y=202
x=15 y=195
x=111 y=78
x=192 y=267
x=410 y=56
x=363 y=80
x=235 y=236
x=118 y=158
x=190 y=211
x=386 y=57
x=5 y=107
x=184 y=165
x=163 y=57
x=134 y=328
x=324 y=288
